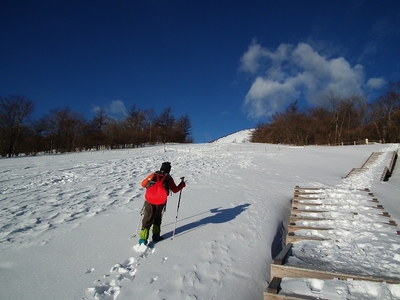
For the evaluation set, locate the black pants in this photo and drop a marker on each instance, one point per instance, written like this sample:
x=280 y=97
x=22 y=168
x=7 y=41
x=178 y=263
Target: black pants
x=152 y=215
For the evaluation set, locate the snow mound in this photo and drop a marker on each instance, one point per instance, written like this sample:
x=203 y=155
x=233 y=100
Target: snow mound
x=242 y=136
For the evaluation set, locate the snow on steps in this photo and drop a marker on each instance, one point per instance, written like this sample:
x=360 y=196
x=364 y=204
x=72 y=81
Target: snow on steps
x=387 y=171
x=313 y=215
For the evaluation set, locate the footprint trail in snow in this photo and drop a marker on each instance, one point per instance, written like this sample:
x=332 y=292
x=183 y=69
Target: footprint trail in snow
x=110 y=287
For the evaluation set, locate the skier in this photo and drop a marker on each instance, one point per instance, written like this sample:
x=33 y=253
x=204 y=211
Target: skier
x=153 y=213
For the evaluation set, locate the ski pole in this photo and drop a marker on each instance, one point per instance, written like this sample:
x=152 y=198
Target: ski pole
x=177 y=210
x=140 y=219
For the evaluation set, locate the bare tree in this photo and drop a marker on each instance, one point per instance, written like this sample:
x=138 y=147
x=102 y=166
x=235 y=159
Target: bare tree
x=36 y=141
x=320 y=125
x=261 y=133
x=335 y=120
x=182 y=129
x=384 y=114
x=64 y=129
x=95 y=129
x=164 y=125
x=332 y=102
x=348 y=115
x=113 y=133
x=135 y=122
x=14 y=112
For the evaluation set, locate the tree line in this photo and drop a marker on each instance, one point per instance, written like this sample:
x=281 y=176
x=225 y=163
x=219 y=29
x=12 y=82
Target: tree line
x=64 y=130
x=336 y=120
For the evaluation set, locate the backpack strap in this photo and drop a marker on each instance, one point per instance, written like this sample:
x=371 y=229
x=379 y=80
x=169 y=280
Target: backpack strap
x=165 y=179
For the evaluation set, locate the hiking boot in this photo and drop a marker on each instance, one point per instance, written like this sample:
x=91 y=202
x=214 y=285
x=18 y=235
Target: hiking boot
x=144 y=234
x=143 y=242
x=156 y=238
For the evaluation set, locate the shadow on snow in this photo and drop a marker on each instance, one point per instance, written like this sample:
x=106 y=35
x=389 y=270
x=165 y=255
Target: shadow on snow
x=219 y=216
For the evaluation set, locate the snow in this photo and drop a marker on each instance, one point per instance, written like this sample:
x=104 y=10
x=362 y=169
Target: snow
x=67 y=222
x=237 y=137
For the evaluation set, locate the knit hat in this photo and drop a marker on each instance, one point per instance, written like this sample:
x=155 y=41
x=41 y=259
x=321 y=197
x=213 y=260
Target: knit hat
x=166 y=167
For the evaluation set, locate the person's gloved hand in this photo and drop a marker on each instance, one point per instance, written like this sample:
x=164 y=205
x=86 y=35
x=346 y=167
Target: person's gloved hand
x=182 y=185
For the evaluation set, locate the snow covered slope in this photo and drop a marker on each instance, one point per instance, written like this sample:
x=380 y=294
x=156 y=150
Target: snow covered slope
x=242 y=136
x=67 y=221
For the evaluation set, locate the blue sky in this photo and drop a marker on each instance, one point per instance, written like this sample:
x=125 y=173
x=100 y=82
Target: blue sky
x=227 y=64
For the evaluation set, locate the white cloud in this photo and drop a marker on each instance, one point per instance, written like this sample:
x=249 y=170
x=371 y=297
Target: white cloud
x=293 y=72
x=250 y=60
x=257 y=57
x=114 y=109
x=276 y=93
x=376 y=83
x=117 y=107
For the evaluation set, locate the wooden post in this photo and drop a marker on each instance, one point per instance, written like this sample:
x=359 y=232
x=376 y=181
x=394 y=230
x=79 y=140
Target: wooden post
x=274 y=285
x=280 y=258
